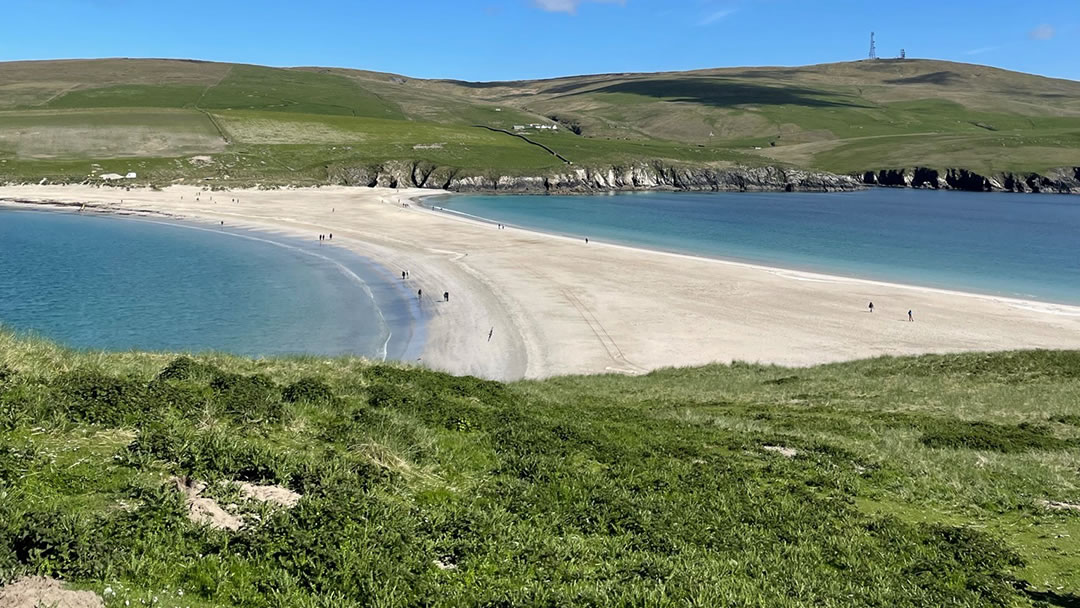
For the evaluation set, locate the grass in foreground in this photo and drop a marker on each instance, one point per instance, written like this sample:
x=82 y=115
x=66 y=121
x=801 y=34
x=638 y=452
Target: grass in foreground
x=889 y=482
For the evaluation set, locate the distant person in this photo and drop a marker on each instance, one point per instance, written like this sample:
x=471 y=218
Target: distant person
x=222 y=222
x=402 y=275
x=419 y=293
x=909 y=317
x=490 y=333
x=331 y=236
x=446 y=296
x=871 y=307
x=586 y=240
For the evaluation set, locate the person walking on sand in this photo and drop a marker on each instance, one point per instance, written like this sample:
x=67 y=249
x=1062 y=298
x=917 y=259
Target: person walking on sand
x=331 y=236
x=909 y=317
x=446 y=296
x=419 y=294
x=402 y=275
x=871 y=307
x=490 y=333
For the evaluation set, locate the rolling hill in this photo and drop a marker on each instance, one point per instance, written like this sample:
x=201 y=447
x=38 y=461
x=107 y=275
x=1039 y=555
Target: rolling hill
x=168 y=120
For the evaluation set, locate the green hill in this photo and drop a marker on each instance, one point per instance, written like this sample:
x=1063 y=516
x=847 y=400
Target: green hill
x=66 y=119
x=929 y=481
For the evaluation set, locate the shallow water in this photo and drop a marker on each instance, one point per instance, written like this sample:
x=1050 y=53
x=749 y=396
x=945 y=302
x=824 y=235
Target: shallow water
x=1016 y=245
x=108 y=282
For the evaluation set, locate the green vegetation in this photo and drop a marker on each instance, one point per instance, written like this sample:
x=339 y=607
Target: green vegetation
x=66 y=120
x=937 y=480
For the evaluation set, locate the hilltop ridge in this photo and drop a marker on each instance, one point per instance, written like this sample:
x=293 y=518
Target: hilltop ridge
x=846 y=124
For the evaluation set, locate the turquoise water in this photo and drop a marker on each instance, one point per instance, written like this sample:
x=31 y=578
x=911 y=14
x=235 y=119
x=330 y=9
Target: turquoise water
x=1017 y=245
x=124 y=283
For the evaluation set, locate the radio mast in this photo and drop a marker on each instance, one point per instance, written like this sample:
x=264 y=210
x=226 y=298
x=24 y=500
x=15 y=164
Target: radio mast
x=873 y=47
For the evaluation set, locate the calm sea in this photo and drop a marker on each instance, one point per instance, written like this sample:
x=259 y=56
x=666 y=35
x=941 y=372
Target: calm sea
x=1017 y=245
x=123 y=283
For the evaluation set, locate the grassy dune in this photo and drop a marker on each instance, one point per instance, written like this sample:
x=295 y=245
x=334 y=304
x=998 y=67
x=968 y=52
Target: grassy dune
x=889 y=482
x=58 y=118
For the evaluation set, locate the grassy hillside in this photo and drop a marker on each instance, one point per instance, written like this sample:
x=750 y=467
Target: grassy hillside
x=60 y=118
x=930 y=481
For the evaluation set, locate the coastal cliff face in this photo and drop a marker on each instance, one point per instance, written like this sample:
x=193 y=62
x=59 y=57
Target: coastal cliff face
x=646 y=176
x=1059 y=181
x=661 y=176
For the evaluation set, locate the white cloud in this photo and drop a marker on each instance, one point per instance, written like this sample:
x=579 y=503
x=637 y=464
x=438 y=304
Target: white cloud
x=713 y=17
x=568 y=6
x=1043 y=32
x=981 y=50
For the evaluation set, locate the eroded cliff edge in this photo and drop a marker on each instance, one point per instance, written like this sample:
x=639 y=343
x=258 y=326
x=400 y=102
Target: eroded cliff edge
x=644 y=176
x=661 y=176
x=1058 y=181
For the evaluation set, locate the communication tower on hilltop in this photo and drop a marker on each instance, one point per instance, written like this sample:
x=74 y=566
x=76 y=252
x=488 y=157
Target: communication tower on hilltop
x=873 y=47
x=903 y=54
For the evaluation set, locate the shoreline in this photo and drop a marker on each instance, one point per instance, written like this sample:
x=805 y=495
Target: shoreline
x=555 y=306
x=797 y=274
x=404 y=336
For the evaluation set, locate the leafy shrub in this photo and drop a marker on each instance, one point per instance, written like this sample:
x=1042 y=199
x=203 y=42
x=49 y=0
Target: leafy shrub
x=989 y=436
x=91 y=396
x=15 y=461
x=184 y=399
x=310 y=390
x=389 y=373
x=978 y=564
x=186 y=368
x=390 y=396
x=58 y=543
x=489 y=392
x=213 y=454
x=6 y=373
x=249 y=399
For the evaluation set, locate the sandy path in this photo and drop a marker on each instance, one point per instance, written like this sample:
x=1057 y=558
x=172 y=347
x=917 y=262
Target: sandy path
x=559 y=306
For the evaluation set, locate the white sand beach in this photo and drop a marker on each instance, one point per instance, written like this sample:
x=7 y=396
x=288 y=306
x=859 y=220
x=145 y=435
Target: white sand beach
x=555 y=305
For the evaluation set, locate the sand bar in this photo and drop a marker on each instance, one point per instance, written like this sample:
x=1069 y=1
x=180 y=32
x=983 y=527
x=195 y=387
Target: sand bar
x=555 y=305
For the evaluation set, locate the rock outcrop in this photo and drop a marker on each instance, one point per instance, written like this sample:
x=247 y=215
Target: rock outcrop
x=643 y=176
x=1058 y=181
x=662 y=176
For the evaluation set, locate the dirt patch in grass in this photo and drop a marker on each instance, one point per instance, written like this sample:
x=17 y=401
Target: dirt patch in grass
x=783 y=451
x=202 y=510
x=1059 y=506
x=35 y=591
x=205 y=510
x=277 y=495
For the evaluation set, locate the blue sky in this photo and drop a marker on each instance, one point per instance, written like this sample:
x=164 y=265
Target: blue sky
x=507 y=39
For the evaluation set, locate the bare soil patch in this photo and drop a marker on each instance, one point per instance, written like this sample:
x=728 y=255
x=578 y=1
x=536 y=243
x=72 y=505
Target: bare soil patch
x=202 y=510
x=35 y=591
x=783 y=451
x=273 y=494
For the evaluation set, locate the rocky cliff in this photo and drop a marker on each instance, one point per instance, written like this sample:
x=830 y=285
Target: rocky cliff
x=643 y=176
x=662 y=176
x=1059 y=181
